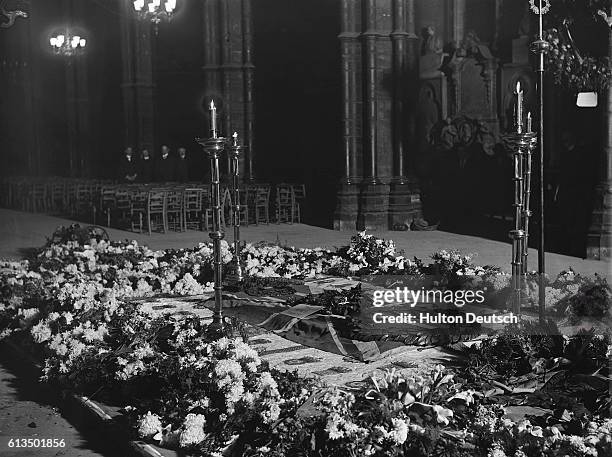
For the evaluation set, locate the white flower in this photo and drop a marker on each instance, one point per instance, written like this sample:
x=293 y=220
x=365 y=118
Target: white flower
x=399 y=434
x=149 y=425
x=442 y=414
x=332 y=428
x=496 y=451
x=193 y=430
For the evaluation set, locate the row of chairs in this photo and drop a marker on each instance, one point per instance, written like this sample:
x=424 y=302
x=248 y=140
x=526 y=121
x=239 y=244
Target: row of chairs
x=150 y=207
x=55 y=195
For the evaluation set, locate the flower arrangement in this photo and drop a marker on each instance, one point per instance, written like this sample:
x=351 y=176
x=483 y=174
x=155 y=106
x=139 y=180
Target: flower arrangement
x=73 y=299
x=573 y=71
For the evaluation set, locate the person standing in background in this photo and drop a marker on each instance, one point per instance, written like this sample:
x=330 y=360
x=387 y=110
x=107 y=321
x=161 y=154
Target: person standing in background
x=181 y=169
x=164 y=170
x=127 y=167
x=146 y=167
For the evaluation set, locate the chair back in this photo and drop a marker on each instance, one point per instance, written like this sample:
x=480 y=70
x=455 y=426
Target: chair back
x=284 y=194
x=262 y=195
x=192 y=199
x=174 y=200
x=299 y=191
x=156 y=202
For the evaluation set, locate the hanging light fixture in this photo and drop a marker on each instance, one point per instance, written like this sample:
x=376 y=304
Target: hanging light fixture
x=66 y=44
x=154 y=10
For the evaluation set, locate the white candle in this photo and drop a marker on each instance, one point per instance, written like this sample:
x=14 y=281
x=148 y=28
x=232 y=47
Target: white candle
x=529 y=122
x=213 y=119
x=541 y=31
x=519 y=108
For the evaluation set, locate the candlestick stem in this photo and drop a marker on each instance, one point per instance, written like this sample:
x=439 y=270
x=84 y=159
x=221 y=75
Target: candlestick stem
x=214 y=147
x=234 y=153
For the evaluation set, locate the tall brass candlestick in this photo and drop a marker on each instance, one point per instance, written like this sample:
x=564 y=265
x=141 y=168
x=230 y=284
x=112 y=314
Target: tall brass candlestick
x=517 y=234
x=214 y=147
x=234 y=154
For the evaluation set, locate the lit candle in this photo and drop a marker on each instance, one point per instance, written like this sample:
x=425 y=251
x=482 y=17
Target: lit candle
x=529 y=122
x=519 y=108
x=235 y=138
x=213 y=119
x=541 y=28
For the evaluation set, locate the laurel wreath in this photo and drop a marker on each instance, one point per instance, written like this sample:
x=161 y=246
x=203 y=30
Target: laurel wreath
x=536 y=10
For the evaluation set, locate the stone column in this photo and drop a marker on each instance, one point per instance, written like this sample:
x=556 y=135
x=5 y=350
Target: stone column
x=456 y=20
x=347 y=198
x=374 y=198
x=228 y=71
x=404 y=199
x=600 y=232
x=249 y=88
x=137 y=85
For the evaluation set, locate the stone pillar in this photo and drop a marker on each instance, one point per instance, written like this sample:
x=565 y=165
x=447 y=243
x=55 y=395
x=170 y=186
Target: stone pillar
x=600 y=232
x=374 y=198
x=347 y=198
x=404 y=199
x=228 y=71
x=137 y=85
x=456 y=20
x=249 y=88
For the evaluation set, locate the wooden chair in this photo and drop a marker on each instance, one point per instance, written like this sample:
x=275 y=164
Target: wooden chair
x=174 y=209
x=123 y=208
x=38 y=197
x=71 y=197
x=156 y=211
x=138 y=209
x=192 y=208
x=285 y=204
x=83 y=196
x=250 y=196
x=107 y=203
x=262 y=204
x=299 y=195
x=57 y=199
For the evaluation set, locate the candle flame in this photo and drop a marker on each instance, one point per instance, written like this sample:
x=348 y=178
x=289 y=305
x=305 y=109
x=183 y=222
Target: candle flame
x=518 y=87
x=235 y=135
x=212 y=104
x=529 y=115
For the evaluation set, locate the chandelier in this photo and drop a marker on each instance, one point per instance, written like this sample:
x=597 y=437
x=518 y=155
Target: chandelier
x=66 y=44
x=154 y=11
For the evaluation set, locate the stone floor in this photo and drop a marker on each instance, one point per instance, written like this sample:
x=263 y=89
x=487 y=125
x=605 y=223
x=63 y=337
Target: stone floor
x=30 y=410
x=19 y=230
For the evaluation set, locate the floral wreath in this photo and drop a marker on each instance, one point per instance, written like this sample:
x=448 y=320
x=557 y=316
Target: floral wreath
x=536 y=10
x=569 y=68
